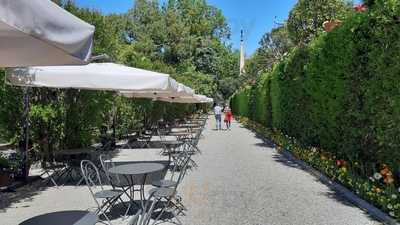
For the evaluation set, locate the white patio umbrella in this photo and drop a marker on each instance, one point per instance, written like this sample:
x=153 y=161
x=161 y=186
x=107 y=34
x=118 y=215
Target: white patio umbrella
x=181 y=90
x=188 y=99
x=40 y=33
x=94 y=76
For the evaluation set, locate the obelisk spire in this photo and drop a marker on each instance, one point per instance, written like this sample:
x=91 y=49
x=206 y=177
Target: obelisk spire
x=242 y=54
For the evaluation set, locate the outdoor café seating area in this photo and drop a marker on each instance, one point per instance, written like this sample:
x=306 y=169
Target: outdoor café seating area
x=132 y=177
x=125 y=185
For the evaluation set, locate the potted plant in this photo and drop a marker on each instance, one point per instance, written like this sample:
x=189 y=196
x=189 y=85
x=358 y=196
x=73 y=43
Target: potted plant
x=4 y=171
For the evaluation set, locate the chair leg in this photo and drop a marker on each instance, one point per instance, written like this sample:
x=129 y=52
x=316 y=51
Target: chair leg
x=51 y=178
x=122 y=201
x=167 y=205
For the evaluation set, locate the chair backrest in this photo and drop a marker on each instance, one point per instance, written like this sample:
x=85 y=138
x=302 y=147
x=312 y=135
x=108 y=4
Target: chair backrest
x=91 y=175
x=181 y=166
x=177 y=164
x=106 y=164
x=161 y=133
x=196 y=138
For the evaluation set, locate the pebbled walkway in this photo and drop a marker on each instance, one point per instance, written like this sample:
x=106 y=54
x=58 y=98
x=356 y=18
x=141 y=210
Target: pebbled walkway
x=241 y=180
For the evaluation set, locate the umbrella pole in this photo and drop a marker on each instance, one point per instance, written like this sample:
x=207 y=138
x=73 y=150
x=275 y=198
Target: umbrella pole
x=25 y=146
x=114 y=110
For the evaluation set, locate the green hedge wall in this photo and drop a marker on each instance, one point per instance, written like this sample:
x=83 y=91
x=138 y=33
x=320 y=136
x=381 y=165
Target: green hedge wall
x=262 y=103
x=340 y=93
x=242 y=105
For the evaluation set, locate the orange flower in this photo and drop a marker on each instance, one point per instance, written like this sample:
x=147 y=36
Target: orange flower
x=385 y=171
x=388 y=180
x=340 y=163
x=378 y=190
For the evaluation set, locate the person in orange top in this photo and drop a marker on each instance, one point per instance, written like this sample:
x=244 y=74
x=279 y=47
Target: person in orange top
x=228 y=117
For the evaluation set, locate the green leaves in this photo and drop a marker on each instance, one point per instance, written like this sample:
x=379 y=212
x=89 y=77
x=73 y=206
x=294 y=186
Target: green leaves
x=307 y=16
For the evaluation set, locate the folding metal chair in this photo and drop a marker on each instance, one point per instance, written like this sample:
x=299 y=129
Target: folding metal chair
x=104 y=198
x=173 y=202
x=114 y=180
x=54 y=171
x=176 y=169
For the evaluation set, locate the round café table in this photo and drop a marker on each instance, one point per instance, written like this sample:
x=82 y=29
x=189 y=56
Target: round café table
x=73 y=217
x=134 y=169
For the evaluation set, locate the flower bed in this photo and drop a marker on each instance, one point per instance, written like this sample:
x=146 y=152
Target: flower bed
x=379 y=189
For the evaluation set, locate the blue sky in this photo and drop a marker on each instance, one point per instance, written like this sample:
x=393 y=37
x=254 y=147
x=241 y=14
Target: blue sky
x=254 y=16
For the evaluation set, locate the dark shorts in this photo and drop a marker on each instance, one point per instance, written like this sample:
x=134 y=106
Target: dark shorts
x=218 y=117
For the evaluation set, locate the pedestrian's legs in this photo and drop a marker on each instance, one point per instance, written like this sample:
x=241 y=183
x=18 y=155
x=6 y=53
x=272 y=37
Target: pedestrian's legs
x=218 y=120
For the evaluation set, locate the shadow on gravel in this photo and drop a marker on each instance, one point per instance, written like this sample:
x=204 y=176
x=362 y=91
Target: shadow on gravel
x=25 y=193
x=287 y=162
x=264 y=143
x=119 y=210
x=337 y=196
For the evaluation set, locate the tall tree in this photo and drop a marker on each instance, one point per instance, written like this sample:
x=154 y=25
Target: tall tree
x=307 y=16
x=276 y=43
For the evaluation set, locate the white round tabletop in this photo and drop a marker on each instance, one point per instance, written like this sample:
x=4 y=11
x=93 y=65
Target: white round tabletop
x=137 y=168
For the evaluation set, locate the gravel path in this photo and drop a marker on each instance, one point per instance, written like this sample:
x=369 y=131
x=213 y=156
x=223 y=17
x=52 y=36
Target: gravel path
x=241 y=180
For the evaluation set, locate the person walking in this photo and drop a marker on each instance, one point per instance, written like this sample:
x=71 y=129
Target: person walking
x=217 y=114
x=228 y=117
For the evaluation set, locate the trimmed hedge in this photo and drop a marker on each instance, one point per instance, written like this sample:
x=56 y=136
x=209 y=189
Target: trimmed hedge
x=340 y=93
x=262 y=101
x=242 y=99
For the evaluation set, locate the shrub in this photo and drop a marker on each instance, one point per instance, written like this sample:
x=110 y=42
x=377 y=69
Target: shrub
x=262 y=105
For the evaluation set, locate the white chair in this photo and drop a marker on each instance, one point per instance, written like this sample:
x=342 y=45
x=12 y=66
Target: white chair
x=168 y=191
x=104 y=198
x=117 y=182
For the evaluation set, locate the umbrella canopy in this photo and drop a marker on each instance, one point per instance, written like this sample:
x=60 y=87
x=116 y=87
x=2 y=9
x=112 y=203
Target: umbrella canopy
x=94 y=76
x=192 y=99
x=181 y=91
x=40 y=33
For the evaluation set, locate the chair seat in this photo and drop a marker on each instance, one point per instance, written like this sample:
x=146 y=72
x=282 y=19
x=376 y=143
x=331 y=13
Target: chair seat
x=108 y=193
x=162 y=192
x=164 y=183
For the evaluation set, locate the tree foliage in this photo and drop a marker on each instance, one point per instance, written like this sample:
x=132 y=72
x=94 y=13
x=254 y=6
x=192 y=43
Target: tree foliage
x=184 y=38
x=307 y=16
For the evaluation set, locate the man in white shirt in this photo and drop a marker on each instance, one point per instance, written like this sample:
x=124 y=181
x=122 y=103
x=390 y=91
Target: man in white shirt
x=217 y=113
